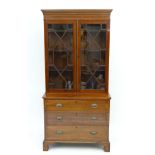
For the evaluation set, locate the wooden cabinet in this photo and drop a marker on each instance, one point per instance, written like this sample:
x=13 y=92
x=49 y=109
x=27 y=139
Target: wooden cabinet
x=76 y=101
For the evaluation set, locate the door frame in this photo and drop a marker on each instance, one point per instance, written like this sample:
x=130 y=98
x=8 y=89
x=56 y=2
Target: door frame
x=106 y=55
x=46 y=22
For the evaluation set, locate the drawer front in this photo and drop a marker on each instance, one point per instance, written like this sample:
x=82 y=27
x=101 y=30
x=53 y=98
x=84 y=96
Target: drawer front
x=76 y=133
x=60 y=105
x=73 y=118
x=94 y=105
x=87 y=118
x=79 y=105
x=60 y=118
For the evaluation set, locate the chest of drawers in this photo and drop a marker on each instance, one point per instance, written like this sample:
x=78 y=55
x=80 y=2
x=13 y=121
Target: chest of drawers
x=77 y=120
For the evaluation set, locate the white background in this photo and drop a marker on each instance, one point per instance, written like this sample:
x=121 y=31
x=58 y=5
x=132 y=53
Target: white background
x=132 y=77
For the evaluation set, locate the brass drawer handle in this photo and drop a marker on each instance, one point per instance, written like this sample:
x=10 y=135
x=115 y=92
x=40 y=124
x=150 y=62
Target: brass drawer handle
x=93 y=132
x=59 y=132
x=93 y=118
x=94 y=105
x=59 y=105
x=59 y=118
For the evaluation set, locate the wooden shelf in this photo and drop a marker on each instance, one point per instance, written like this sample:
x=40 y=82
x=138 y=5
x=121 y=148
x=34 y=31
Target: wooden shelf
x=55 y=31
x=95 y=50
x=52 y=65
x=91 y=30
x=88 y=65
x=59 y=50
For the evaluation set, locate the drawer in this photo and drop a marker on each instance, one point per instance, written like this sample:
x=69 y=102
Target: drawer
x=60 y=105
x=60 y=118
x=76 y=133
x=86 y=118
x=79 y=105
x=73 y=118
x=94 y=105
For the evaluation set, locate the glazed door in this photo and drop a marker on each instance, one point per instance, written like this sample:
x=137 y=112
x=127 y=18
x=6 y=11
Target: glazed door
x=93 y=51
x=60 y=50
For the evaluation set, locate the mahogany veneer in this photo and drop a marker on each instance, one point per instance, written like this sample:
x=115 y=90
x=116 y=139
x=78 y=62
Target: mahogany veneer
x=77 y=100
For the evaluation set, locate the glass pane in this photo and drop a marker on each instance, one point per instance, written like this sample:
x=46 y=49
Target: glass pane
x=60 y=50
x=93 y=48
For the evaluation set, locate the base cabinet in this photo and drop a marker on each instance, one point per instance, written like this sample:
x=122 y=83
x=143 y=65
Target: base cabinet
x=77 y=100
x=77 y=121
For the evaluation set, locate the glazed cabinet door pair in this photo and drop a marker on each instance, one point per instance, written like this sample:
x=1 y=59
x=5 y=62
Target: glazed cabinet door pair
x=76 y=56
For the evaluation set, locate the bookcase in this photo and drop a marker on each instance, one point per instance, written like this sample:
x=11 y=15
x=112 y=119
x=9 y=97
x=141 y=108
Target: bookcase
x=77 y=100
